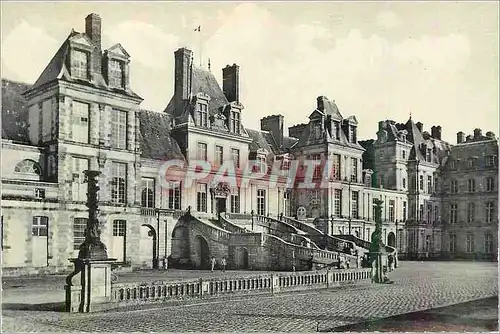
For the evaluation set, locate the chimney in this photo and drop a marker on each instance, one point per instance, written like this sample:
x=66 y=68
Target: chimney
x=419 y=126
x=460 y=137
x=274 y=124
x=436 y=132
x=231 y=83
x=183 y=75
x=469 y=138
x=296 y=130
x=321 y=102
x=93 y=30
x=477 y=134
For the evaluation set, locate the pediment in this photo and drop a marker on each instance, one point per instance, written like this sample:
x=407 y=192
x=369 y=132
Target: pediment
x=262 y=151
x=316 y=114
x=81 y=39
x=118 y=50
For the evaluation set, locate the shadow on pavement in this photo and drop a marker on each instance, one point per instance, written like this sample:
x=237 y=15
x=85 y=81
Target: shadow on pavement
x=475 y=316
x=44 y=307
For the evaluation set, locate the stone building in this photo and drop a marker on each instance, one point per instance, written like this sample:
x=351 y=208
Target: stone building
x=81 y=113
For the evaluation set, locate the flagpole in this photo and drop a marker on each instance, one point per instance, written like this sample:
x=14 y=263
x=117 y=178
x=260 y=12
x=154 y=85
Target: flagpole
x=201 y=47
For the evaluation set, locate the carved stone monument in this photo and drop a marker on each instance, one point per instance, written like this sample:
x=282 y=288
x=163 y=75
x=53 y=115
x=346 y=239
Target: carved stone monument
x=89 y=286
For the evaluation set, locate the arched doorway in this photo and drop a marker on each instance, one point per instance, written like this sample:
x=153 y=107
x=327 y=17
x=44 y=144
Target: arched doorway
x=391 y=239
x=242 y=258
x=147 y=246
x=180 y=246
x=245 y=258
x=202 y=253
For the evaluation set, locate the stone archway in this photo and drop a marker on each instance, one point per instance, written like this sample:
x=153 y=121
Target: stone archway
x=147 y=246
x=391 y=239
x=180 y=252
x=201 y=257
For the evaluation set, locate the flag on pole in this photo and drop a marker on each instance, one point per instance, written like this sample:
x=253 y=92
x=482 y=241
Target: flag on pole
x=198 y=29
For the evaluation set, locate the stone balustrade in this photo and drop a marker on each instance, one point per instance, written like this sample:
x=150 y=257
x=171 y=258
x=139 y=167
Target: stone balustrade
x=123 y=294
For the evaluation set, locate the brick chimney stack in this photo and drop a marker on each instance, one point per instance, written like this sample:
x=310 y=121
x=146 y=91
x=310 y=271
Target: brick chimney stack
x=93 y=30
x=274 y=124
x=183 y=75
x=478 y=134
x=460 y=137
x=436 y=132
x=231 y=82
x=420 y=126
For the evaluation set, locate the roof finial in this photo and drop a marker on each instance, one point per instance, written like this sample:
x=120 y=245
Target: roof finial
x=209 y=63
x=410 y=115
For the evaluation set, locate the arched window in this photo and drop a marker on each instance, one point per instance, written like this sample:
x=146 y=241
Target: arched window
x=28 y=167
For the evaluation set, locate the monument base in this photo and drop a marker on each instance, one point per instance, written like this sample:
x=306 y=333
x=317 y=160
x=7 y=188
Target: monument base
x=378 y=261
x=93 y=249
x=89 y=285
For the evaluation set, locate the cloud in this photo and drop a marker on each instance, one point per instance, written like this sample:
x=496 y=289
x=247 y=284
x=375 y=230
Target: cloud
x=387 y=19
x=20 y=59
x=146 y=44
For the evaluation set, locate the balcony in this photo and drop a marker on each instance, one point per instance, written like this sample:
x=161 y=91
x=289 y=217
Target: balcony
x=148 y=212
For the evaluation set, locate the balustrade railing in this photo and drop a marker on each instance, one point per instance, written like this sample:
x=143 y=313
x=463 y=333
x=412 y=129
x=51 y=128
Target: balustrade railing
x=160 y=291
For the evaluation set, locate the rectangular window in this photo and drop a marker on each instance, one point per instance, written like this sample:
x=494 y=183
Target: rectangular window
x=118 y=183
x=219 y=155
x=428 y=155
x=202 y=115
x=235 y=122
x=421 y=182
x=421 y=212
x=116 y=73
x=80 y=64
x=261 y=202
x=119 y=228
x=472 y=185
x=80 y=121
x=489 y=211
x=235 y=200
x=490 y=160
x=40 y=226
x=201 y=199
x=453 y=243
x=454 y=186
x=391 y=210
x=354 y=208
x=354 y=170
x=429 y=184
x=147 y=193
x=235 y=155
x=404 y=211
x=436 y=185
x=471 y=212
x=336 y=166
x=201 y=153
x=470 y=163
x=79 y=182
x=453 y=213
x=261 y=160
x=490 y=184
x=374 y=210
x=317 y=167
x=337 y=202
x=119 y=129
x=436 y=213
x=79 y=227
x=285 y=167
x=469 y=243
x=404 y=183
x=429 y=213
x=404 y=154
x=174 y=195
x=488 y=243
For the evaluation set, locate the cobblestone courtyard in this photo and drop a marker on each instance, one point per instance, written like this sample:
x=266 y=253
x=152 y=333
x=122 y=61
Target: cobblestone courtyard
x=418 y=286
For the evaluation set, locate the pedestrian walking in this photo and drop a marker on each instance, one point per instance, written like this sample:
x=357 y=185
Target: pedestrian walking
x=223 y=264
x=213 y=261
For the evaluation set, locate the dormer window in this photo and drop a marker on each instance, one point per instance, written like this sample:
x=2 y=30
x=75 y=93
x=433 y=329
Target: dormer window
x=470 y=163
x=116 y=73
x=80 y=64
x=428 y=155
x=316 y=130
x=352 y=134
x=235 y=121
x=202 y=115
x=262 y=165
x=336 y=129
x=453 y=165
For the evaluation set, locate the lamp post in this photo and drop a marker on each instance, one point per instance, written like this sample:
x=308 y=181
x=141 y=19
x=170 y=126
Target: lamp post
x=350 y=210
x=252 y=219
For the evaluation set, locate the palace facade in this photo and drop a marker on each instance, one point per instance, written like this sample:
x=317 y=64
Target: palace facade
x=440 y=200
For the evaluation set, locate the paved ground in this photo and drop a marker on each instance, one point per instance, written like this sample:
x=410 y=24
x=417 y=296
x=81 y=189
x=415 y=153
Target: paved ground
x=418 y=286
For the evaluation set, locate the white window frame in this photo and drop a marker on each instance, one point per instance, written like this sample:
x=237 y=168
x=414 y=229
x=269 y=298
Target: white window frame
x=261 y=202
x=118 y=184
x=147 y=192
x=80 y=64
x=116 y=73
x=119 y=119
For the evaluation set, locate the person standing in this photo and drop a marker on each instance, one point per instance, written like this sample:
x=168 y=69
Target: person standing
x=223 y=263
x=213 y=262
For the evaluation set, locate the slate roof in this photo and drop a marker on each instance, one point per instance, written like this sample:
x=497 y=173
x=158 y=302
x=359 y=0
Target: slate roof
x=14 y=112
x=479 y=149
x=203 y=82
x=57 y=70
x=289 y=142
x=259 y=141
x=155 y=139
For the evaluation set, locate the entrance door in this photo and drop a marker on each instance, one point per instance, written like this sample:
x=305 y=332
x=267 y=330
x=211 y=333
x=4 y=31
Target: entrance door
x=147 y=247
x=118 y=240
x=221 y=204
x=202 y=252
x=39 y=240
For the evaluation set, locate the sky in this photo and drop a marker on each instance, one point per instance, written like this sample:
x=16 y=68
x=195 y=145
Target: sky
x=438 y=61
